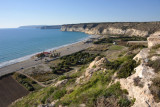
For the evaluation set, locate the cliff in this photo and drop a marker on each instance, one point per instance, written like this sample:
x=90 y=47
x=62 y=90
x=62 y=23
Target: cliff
x=118 y=28
x=154 y=39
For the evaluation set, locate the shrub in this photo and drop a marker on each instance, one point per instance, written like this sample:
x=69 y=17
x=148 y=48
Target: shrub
x=120 y=95
x=133 y=38
x=33 y=82
x=137 y=82
x=126 y=69
x=124 y=102
x=41 y=55
x=48 y=94
x=155 y=89
x=103 y=40
x=21 y=76
x=78 y=58
x=121 y=37
x=59 y=93
x=88 y=92
x=133 y=47
x=154 y=64
x=62 y=77
x=27 y=85
x=114 y=65
x=156 y=46
x=114 y=90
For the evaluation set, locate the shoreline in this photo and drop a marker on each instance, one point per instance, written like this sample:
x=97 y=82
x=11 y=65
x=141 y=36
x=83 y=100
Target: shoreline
x=17 y=60
x=64 y=50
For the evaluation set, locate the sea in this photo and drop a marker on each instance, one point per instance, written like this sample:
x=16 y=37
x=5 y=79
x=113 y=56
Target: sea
x=19 y=44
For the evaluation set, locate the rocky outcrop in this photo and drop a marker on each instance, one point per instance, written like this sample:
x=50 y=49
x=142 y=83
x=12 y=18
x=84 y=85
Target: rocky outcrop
x=154 y=39
x=142 y=56
x=96 y=65
x=120 y=28
x=145 y=74
x=61 y=83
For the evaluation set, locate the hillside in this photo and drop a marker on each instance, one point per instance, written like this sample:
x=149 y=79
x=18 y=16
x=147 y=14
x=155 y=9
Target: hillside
x=103 y=75
x=115 y=28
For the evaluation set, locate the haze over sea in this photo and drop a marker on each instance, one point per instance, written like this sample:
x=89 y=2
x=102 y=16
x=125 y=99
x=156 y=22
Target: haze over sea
x=20 y=44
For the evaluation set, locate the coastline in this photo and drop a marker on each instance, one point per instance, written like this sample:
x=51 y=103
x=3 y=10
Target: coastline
x=64 y=50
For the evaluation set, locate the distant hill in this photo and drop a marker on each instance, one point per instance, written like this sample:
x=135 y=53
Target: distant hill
x=42 y=26
x=51 y=27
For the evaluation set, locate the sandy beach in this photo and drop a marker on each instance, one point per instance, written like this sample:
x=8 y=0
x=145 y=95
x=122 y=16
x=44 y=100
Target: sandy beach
x=66 y=50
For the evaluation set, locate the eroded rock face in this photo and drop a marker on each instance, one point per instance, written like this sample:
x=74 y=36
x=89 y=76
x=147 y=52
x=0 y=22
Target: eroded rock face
x=144 y=71
x=96 y=65
x=153 y=58
x=121 y=28
x=61 y=83
x=142 y=94
x=142 y=55
x=154 y=39
x=109 y=30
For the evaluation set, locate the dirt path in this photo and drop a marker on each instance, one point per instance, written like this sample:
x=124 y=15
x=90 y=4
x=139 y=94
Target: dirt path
x=41 y=84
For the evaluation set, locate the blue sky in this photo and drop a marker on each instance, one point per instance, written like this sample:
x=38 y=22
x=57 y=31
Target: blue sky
x=14 y=13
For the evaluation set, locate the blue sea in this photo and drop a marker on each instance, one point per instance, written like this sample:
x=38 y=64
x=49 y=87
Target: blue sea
x=20 y=44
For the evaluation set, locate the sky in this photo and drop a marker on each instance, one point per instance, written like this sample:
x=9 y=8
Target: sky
x=15 y=13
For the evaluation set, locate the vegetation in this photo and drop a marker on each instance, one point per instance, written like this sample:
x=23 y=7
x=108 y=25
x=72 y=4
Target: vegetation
x=124 y=66
x=43 y=76
x=62 y=77
x=103 y=40
x=156 y=46
x=59 y=93
x=133 y=47
x=26 y=82
x=27 y=85
x=122 y=38
x=116 y=47
x=155 y=89
x=126 y=69
x=116 y=91
x=78 y=58
x=133 y=38
x=155 y=65
x=41 y=55
x=137 y=82
x=88 y=92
